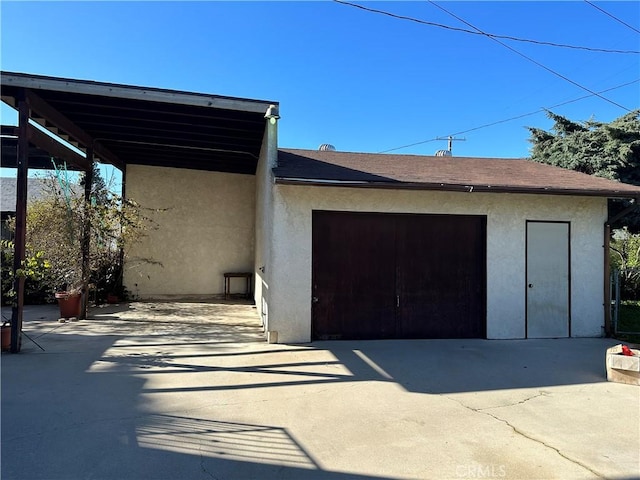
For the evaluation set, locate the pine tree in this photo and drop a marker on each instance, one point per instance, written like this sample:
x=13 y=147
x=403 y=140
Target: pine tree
x=609 y=150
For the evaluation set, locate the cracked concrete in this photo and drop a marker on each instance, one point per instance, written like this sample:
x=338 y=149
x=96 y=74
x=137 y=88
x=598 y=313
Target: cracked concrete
x=172 y=390
x=486 y=411
x=520 y=402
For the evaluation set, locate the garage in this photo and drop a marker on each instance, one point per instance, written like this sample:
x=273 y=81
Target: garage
x=382 y=275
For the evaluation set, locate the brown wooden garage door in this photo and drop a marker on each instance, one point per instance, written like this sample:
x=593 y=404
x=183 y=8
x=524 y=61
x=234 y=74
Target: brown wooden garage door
x=398 y=276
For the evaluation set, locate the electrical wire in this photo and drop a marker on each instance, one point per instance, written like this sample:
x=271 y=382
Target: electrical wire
x=612 y=16
x=495 y=38
x=486 y=125
x=491 y=35
x=550 y=70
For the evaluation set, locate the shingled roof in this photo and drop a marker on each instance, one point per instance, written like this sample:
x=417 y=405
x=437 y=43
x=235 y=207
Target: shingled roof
x=330 y=168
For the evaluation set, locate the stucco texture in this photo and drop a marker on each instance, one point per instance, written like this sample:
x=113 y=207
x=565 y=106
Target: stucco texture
x=264 y=221
x=507 y=214
x=203 y=226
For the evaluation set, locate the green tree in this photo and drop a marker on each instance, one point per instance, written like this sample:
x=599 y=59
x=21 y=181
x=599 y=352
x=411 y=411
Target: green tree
x=609 y=150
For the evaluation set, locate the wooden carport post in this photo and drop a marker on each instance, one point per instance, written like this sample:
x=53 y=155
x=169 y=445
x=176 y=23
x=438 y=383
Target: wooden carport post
x=86 y=234
x=21 y=223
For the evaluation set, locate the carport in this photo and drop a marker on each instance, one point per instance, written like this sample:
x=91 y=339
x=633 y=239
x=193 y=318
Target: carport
x=83 y=122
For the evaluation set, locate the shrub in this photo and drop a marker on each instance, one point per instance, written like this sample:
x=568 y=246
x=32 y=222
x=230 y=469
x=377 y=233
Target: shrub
x=625 y=257
x=55 y=233
x=36 y=269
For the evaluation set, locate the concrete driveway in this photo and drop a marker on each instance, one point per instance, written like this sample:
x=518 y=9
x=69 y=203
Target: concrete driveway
x=191 y=391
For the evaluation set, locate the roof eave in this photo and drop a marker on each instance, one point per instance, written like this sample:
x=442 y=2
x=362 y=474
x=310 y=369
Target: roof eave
x=88 y=87
x=446 y=187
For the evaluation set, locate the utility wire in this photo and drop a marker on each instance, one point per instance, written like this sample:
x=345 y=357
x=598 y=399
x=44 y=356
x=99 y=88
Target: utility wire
x=612 y=16
x=530 y=59
x=540 y=110
x=491 y=35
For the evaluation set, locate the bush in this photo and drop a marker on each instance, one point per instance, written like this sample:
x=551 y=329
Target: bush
x=625 y=257
x=36 y=270
x=55 y=232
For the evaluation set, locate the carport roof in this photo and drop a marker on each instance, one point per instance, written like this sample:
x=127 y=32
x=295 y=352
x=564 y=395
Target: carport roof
x=145 y=126
x=330 y=168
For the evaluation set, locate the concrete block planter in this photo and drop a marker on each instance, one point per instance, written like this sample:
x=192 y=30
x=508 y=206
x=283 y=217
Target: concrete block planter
x=623 y=368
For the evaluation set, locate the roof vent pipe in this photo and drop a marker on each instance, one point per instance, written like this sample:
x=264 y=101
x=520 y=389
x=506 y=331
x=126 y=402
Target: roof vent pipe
x=444 y=153
x=326 y=147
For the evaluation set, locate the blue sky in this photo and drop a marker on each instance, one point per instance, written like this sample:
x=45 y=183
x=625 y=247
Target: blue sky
x=358 y=80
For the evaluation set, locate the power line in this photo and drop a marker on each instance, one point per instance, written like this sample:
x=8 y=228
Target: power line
x=531 y=59
x=491 y=35
x=540 y=110
x=612 y=16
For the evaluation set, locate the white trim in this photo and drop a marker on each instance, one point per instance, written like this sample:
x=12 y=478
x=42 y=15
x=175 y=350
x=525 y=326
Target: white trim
x=135 y=93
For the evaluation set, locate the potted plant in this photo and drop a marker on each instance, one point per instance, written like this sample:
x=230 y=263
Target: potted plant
x=6 y=335
x=66 y=273
x=57 y=223
x=55 y=226
x=70 y=302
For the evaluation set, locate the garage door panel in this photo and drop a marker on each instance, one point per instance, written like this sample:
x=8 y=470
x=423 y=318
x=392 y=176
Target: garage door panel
x=441 y=276
x=398 y=276
x=359 y=321
x=354 y=276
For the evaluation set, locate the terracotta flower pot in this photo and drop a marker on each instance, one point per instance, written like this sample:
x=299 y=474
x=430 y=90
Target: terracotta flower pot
x=6 y=337
x=70 y=304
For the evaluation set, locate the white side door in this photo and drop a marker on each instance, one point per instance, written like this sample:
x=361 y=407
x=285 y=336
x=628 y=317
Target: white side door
x=548 y=281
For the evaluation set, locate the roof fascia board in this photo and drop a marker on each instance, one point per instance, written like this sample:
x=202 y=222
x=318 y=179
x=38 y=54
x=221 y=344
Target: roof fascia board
x=458 y=188
x=53 y=116
x=134 y=93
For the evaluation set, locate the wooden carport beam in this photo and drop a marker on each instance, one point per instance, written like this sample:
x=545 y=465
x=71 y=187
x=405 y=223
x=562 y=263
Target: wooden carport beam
x=41 y=140
x=86 y=235
x=60 y=121
x=21 y=224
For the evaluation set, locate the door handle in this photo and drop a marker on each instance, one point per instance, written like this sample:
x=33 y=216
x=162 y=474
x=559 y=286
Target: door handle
x=398 y=301
x=531 y=285
x=314 y=299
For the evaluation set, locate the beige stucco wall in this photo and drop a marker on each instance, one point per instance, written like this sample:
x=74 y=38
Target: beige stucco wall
x=264 y=221
x=204 y=226
x=290 y=280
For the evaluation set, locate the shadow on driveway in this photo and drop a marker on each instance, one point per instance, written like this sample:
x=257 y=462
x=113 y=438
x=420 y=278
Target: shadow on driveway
x=89 y=406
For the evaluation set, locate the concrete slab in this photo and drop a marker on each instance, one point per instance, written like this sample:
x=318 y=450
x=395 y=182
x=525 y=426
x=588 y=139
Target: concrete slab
x=192 y=390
